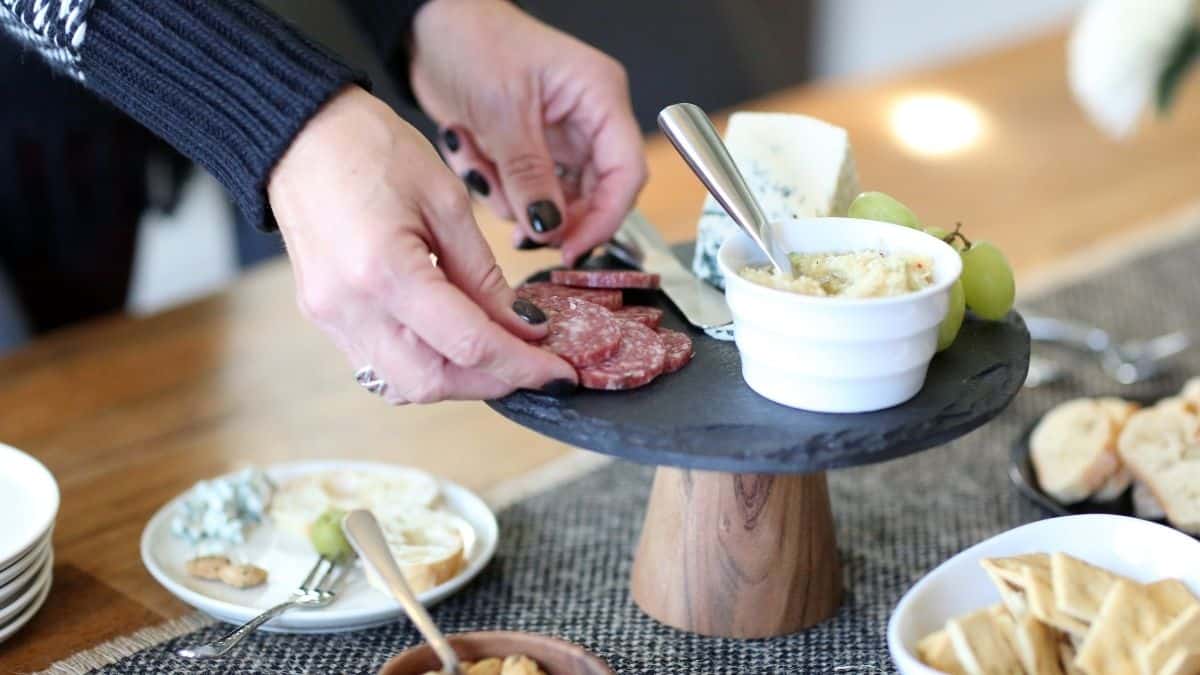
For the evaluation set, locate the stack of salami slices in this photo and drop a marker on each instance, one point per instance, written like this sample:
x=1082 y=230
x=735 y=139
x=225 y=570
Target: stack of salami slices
x=611 y=345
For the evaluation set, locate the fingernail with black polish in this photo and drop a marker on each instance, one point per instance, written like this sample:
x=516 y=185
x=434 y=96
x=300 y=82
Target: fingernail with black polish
x=527 y=244
x=450 y=138
x=529 y=312
x=559 y=387
x=477 y=183
x=543 y=216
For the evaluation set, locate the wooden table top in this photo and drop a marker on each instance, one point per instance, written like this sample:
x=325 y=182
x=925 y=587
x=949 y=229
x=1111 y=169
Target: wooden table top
x=128 y=412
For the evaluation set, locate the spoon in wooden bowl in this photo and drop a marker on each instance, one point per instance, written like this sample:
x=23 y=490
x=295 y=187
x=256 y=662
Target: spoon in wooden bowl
x=362 y=530
x=694 y=137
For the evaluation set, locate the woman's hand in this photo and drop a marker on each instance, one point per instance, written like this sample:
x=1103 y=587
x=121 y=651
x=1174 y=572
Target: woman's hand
x=362 y=200
x=516 y=97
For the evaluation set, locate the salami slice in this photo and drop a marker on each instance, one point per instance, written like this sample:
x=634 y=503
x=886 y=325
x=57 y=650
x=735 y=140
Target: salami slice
x=581 y=332
x=608 y=299
x=649 y=317
x=604 y=278
x=638 y=360
x=678 y=349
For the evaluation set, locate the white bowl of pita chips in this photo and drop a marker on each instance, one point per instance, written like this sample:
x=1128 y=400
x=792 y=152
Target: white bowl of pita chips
x=1105 y=594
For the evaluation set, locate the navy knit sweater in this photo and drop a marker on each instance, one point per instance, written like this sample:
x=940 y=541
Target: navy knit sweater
x=226 y=82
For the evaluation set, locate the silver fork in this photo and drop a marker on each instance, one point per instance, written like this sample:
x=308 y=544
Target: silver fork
x=317 y=590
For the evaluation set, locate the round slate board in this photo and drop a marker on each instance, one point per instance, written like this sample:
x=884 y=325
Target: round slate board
x=706 y=417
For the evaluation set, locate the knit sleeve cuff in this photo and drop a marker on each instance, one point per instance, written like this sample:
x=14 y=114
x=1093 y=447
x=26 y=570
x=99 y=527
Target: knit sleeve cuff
x=226 y=82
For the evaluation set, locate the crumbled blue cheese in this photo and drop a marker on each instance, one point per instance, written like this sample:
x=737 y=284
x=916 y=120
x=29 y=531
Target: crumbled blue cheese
x=217 y=514
x=797 y=167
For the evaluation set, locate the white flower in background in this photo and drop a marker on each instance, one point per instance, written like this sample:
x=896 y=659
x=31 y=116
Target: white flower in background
x=1123 y=53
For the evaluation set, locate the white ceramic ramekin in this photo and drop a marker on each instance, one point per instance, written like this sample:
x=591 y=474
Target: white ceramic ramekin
x=836 y=354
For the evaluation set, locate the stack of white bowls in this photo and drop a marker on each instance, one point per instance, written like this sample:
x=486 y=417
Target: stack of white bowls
x=28 y=506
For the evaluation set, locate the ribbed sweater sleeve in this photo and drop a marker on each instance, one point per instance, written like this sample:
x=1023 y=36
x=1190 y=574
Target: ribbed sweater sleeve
x=226 y=82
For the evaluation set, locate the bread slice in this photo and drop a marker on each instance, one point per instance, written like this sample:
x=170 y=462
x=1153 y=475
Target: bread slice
x=1079 y=587
x=937 y=652
x=980 y=645
x=1191 y=391
x=1145 y=504
x=431 y=547
x=301 y=500
x=1128 y=620
x=1072 y=450
x=1161 y=446
x=1182 y=634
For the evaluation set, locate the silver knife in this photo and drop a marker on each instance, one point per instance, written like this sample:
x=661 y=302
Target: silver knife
x=639 y=244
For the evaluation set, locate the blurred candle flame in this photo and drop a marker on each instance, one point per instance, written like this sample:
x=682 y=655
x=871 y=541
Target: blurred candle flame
x=936 y=124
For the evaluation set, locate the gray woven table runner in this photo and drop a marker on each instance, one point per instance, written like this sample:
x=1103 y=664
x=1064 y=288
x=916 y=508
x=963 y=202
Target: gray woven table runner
x=565 y=555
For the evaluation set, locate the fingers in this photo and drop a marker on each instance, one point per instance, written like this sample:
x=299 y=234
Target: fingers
x=620 y=172
x=458 y=329
x=414 y=371
x=527 y=173
x=462 y=155
x=467 y=262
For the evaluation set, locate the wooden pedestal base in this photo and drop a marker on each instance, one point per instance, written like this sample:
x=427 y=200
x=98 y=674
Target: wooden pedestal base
x=738 y=555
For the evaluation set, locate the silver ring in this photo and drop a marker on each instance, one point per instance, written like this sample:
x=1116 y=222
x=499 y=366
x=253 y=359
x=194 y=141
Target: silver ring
x=367 y=378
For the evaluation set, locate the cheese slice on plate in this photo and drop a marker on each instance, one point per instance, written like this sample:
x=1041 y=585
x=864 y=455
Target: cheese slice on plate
x=797 y=166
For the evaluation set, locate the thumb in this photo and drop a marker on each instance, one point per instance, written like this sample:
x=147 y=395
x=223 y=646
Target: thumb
x=527 y=177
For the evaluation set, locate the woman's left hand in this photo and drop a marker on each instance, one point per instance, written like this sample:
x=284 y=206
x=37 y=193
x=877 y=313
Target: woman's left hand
x=538 y=123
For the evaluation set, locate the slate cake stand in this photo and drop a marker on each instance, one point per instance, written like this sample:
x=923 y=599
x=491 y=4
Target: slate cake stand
x=739 y=539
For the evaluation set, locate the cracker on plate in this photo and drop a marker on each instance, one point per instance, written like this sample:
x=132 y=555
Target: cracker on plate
x=1128 y=619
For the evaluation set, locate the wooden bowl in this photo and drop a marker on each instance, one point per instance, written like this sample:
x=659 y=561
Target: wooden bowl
x=555 y=656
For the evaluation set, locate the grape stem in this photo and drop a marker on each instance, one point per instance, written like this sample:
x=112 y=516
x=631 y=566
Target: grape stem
x=957 y=234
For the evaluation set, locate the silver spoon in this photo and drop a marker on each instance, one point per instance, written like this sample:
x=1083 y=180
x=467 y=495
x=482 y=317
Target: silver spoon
x=364 y=534
x=695 y=138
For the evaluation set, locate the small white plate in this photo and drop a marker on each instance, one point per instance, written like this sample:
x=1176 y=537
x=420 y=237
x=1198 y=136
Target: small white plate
x=1135 y=548
x=11 y=591
x=288 y=559
x=28 y=590
x=7 y=630
x=24 y=562
x=30 y=503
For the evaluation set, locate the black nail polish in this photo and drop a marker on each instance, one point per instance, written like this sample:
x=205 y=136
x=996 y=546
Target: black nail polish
x=477 y=183
x=529 y=312
x=450 y=138
x=559 y=387
x=527 y=244
x=543 y=216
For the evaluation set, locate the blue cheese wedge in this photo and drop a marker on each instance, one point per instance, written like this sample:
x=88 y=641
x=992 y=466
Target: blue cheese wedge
x=215 y=515
x=797 y=166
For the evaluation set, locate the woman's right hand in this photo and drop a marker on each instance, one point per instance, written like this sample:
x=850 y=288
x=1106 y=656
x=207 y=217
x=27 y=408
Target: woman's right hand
x=362 y=200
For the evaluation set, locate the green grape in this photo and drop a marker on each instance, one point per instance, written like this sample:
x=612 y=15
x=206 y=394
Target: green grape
x=326 y=535
x=988 y=281
x=879 y=206
x=954 y=318
x=938 y=232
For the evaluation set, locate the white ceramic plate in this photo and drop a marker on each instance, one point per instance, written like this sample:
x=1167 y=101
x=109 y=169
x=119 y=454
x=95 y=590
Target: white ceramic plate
x=24 y=562
x=10 y=592
x=30 y=503
x=29 y=590
x=7 y=630
x=288 y=559
x=1138 y=549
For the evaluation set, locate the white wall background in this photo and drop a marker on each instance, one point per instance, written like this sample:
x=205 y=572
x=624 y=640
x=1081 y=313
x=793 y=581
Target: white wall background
x=864 y=38
x=855 y=39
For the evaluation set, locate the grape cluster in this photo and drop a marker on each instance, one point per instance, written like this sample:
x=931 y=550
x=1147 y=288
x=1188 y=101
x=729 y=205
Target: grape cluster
x=986 y=286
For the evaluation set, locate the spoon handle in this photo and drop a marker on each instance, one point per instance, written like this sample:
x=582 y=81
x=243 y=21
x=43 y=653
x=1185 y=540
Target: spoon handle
x=692 y=133
x=364 y=534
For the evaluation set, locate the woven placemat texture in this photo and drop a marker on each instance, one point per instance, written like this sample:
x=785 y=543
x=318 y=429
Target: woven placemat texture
x=565 y=555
